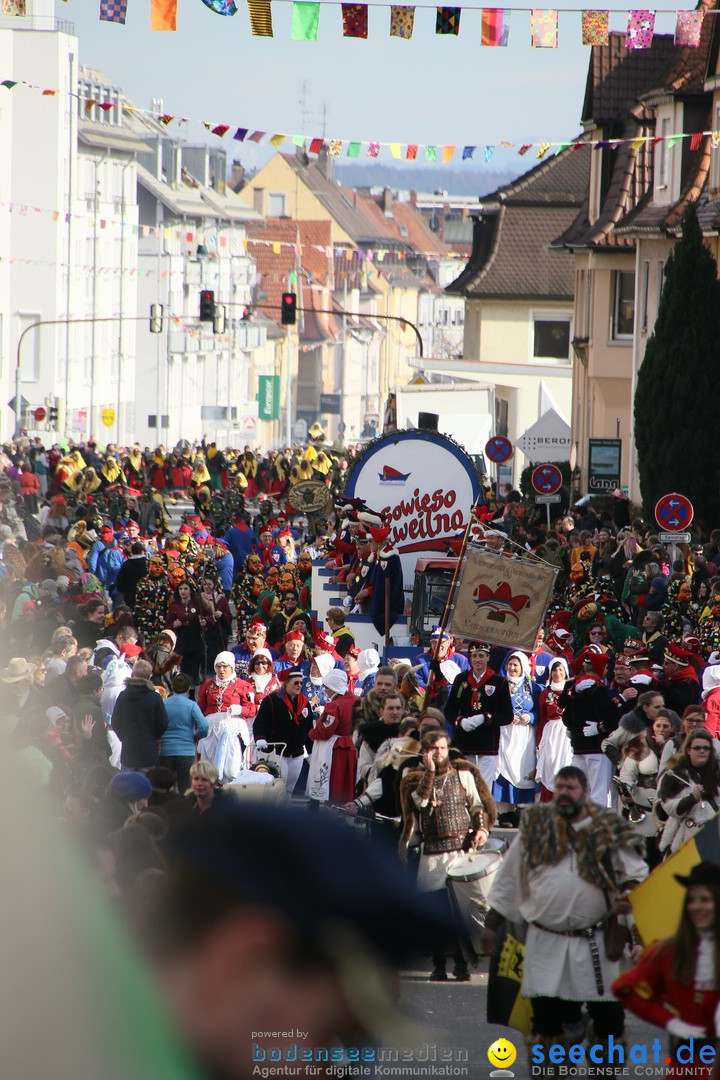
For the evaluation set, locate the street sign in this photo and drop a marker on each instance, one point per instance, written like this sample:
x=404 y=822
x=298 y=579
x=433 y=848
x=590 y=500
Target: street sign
x=546 y=479
x=249 y=423
x=23 y=403
x=674 y=538
x=545 y=500
x=108 y=417
x=40 y=413
x=498 y=449
x=674 y=512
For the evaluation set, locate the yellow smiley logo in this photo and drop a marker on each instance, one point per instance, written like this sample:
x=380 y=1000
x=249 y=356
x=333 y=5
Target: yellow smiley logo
x=502 y=1053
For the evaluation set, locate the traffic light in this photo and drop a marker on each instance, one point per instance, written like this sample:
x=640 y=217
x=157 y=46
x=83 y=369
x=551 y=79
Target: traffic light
x=219 y=319
x=53 y=416
x=157 y=312
x=207 y=305
x=288 y=310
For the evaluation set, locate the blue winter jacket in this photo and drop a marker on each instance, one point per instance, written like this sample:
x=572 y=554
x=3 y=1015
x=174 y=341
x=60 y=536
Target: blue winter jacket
x=185 y=720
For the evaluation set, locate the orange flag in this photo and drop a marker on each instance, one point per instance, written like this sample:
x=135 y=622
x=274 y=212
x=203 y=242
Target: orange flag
x=163 y=15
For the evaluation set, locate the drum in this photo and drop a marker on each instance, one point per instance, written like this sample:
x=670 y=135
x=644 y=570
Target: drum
x=469 y=878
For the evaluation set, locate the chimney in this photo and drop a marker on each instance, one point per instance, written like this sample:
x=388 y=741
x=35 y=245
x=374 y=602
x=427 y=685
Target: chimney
x=237 y=176
x=324 y=162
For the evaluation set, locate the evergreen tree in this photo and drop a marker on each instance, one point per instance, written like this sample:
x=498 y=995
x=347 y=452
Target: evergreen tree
x=676 y=396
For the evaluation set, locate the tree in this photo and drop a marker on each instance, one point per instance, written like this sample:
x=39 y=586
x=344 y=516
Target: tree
x=676 y=393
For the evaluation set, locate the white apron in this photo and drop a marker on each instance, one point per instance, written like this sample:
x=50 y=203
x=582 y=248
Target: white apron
x=516 y=756
x=318 y=782
x=554 y=752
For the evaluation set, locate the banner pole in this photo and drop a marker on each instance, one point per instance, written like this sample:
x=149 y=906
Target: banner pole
x=451 y=593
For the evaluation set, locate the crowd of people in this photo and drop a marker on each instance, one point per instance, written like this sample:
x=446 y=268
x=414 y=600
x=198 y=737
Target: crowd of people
x=146 y=668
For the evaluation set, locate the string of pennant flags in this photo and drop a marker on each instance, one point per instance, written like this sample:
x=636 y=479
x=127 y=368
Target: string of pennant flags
x=353 y=148
x=495 y=22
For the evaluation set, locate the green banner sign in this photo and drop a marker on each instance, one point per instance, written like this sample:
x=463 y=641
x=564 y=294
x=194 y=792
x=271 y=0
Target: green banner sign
x=268 y=397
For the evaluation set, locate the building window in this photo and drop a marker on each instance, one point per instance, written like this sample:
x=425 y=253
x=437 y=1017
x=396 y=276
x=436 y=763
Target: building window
x=277 y=204
x=662 y=153
x=623 y=314
x=551 y=339
x=501 y=417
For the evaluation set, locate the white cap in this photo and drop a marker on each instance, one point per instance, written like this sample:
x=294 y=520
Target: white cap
x=324 y=663
x=336 y=681
x=368 y=660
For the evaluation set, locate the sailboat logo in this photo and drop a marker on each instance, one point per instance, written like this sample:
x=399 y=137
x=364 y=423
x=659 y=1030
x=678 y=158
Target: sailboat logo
x=392 y=476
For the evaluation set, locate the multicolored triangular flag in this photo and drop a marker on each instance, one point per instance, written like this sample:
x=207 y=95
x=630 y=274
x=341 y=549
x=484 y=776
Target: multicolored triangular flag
x=688 y=27
x=544 y=28
x=495 y=26
x=448 y=20
x=355 y=20
x=595 y=29
x=260 y=12
x=402 y=21
x=640 y=29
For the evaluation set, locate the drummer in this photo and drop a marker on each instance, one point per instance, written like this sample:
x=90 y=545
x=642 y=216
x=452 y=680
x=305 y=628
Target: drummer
x=447 y=802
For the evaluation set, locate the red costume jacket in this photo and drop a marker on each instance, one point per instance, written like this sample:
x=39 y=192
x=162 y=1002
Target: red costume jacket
x=213 y=698
x=336 y=720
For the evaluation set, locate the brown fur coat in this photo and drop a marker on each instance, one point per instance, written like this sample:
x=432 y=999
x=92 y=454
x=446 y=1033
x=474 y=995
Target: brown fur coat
x=411 y=780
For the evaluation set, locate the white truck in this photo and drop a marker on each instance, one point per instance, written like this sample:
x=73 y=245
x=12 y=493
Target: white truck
x=466 y=412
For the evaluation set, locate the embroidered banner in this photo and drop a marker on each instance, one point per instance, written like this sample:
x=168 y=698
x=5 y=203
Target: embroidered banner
x=502 y=600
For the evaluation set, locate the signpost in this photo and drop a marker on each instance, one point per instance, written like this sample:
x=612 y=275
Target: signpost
x=108 y=417
x=674 y=512
x=40 y=413
x=498 y=449
x=604 y=457
x=547 y=481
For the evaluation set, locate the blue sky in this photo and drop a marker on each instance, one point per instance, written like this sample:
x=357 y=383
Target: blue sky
x=431 y=89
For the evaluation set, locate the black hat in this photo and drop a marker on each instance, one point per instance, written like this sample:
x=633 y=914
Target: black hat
x=705 y=873
x=366 y=909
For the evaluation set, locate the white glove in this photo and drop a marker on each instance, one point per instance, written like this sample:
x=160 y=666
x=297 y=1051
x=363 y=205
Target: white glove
x=469 y=723
x=584 y=684
x=261 y=744
x=590 y=728
x=682 y=1030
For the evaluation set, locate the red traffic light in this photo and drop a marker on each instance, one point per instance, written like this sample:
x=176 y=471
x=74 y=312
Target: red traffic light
x=288 y=309
x=207 y=305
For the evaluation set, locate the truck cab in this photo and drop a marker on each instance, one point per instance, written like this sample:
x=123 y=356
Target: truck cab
x=431 y=588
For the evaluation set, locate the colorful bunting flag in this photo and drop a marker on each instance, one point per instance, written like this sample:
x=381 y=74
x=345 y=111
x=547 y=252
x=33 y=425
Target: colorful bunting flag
x=305 y=20
x=640 y=27
x=110 y=10
x=447 y=154
x=335 y=147
x=544 y=28
x=468 y=152
x=14 y=7
x=163 y=14
x=315 y=146
x=373 y=149
x=354 y=149
x=8 y=84
x=431 y=153
x=240 y=134
x=524 y=148
x=221 y=130
x=402 y=21
x=257 y=136
x=395 y=151
x=495 y=26
x=595 y=30
x=278 y=139
x=688 y=27
x=542 y=150
x=355 y=20
x=260 y=12
x=489 y=151
x=221 y=7
x=447 y=20
x=695 y=140
x=674 y=139
x=412 y=152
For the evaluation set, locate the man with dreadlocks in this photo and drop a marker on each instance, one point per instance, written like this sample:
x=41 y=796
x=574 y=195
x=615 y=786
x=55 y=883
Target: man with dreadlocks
x=568 y=870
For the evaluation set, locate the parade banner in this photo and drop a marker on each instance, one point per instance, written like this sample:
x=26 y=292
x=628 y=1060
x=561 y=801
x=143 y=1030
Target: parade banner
x=505 y=1003
x=502 y=601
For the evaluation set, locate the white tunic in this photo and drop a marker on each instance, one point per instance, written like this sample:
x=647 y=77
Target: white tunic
x=557 y=897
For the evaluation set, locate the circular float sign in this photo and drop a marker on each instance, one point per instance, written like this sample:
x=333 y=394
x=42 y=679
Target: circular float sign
x=310 y=497
x=546 y=479
x=498 y=449
x=40 y=413
x=674 y=512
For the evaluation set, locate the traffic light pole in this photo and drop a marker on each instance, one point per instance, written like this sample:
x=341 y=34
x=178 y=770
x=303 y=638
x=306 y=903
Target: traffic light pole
x=57 y=322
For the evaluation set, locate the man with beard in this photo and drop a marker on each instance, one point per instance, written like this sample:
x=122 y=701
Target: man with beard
x=570 y=867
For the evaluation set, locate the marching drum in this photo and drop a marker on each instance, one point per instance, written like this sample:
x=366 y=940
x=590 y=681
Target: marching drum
x=469 y=878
